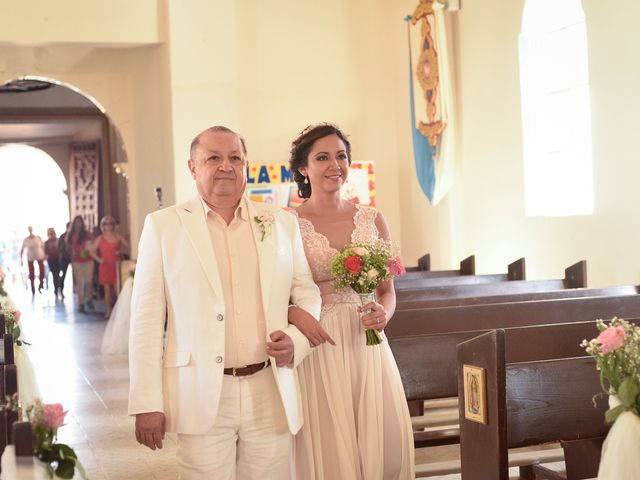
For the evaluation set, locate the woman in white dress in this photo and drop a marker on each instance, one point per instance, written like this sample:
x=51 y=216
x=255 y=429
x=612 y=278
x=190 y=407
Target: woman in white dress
x=356 y=419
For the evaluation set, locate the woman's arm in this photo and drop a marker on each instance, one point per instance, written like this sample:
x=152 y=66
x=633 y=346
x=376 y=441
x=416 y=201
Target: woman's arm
x=385 y=305
x=94 y=249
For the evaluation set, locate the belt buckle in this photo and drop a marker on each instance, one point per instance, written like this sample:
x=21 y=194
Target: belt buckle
x=233 y=371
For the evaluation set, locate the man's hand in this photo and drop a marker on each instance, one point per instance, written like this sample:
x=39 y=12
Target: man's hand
x=309 y=326
x=281 y=348
x=150 y=429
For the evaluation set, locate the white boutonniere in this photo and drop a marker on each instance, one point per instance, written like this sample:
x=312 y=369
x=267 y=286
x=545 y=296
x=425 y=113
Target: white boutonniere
x=265 y=222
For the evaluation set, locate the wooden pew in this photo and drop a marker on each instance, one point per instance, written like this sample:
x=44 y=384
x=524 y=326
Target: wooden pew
x=417 y=280
x=18 y=461
x=467 y=267
x=503 y=315
x=8 y=386
x=457 y=301
x=484 y=285
x=428 y=363
x=527 y=403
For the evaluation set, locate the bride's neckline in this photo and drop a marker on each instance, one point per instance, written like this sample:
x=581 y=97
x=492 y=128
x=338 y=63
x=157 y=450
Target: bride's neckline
x=323 y=237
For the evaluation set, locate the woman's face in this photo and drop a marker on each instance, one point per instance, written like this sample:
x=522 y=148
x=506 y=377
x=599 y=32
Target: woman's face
x=327 y=164
x=108 y=226
x=51 y=233
x=78 y=223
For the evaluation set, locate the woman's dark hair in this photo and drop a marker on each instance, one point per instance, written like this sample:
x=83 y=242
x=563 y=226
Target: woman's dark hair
x=81 y=232
x=301 y=147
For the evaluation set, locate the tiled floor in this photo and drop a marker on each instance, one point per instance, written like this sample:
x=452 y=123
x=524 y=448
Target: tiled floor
x=70 y=369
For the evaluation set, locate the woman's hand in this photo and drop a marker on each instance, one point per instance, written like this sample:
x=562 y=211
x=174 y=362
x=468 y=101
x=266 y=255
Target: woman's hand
x=377 y=317
x=309 y=326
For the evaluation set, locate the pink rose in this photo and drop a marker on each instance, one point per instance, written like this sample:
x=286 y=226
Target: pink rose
x=17 y=315
x=54 y=415
x=611 y=339
x=396 y=267
x=353 y=264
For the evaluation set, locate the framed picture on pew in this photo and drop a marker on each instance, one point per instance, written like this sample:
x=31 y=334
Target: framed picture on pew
x=475 y=394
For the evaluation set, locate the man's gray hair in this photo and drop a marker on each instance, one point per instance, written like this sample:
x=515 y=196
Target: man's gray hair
x=217 y=128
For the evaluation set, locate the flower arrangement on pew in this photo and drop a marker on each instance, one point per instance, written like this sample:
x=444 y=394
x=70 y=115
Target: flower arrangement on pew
x=12 y=325
x=617 y=354
x=59 y=459
x=363 y=267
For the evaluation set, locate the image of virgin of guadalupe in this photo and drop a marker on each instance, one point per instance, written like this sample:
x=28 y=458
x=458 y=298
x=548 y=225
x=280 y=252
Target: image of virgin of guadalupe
x=473 y=388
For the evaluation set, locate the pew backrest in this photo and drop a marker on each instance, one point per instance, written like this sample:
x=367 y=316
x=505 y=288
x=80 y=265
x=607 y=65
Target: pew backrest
x=503 y=315
x=457 y=301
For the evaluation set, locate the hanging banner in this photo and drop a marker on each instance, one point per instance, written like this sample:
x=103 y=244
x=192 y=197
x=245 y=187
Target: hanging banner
x=431 y=99
x=273 y=183
x=85 y=166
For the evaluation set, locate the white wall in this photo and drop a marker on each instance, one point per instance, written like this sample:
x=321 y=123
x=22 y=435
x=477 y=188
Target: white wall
x=113 y=22
x=487 y=213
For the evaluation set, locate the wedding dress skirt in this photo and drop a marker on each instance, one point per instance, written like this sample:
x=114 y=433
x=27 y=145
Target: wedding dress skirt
x=116 y=336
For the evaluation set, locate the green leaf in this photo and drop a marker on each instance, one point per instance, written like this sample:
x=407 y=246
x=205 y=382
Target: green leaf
x=66 y=468
x=611 y=414
x=628 y=392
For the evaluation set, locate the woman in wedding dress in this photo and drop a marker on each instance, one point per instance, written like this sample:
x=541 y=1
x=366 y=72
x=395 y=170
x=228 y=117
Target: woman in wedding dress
x=356 y=419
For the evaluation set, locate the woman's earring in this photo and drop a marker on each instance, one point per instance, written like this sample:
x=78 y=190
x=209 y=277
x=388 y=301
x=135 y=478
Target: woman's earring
x=306 y=180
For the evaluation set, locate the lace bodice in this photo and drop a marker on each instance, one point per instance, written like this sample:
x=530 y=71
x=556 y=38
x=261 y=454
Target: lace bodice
x=320 y=253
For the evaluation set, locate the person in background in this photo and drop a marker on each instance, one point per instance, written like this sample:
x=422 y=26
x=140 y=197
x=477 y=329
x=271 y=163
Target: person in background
x=106 y=251
x=64 y=257
x=53 y=259
x=78 y=242
x=34 y=246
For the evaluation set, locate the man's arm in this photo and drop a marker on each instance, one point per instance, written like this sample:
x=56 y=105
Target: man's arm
x=148 y=312
x=304 y=293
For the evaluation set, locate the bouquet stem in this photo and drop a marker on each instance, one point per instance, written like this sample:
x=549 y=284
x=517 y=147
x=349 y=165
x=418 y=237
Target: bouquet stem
x=373 y=336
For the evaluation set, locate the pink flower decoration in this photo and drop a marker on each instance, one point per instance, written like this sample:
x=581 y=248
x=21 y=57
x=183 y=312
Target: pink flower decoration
x=54 y=415
x=611 y=339
x=396 y=267
x=17 y=315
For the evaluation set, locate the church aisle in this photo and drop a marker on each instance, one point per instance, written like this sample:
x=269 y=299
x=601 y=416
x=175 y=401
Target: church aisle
x=71 y=370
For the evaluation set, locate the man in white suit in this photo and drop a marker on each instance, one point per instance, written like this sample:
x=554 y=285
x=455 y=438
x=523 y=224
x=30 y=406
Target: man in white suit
x=222 y=270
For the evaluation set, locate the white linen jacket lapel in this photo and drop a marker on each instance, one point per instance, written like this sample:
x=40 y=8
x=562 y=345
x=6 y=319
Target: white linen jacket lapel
x=195 y=225
x=266 y=250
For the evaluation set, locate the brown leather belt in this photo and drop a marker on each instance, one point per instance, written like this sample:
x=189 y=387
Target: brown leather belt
x=247 y=370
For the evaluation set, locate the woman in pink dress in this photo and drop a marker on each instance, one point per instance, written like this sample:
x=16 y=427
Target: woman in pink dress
x=356 y=419
x=106 y=250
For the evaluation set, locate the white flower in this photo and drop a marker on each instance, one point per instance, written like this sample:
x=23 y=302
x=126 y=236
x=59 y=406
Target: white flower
x=372 y=274
x=361 y=251
x=265 y=222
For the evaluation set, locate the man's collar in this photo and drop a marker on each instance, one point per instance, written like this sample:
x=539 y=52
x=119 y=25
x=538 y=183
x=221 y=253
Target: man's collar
x=241 y=211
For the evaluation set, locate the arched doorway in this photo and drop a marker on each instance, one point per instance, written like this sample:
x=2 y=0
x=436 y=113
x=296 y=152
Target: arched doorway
x=73 y=130
x=32 y=193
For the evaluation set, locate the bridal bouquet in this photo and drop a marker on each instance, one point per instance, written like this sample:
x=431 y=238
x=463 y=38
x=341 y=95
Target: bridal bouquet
x=617 y=354
x=59 y=459
x=364 y=266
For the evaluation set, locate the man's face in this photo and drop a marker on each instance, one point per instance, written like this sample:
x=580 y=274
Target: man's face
x=219 y=167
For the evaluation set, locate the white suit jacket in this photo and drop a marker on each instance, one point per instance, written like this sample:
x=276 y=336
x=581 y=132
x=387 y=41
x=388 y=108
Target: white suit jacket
x=177 y=278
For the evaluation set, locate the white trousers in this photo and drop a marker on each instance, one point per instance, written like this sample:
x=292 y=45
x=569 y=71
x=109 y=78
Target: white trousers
x=250 y=439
